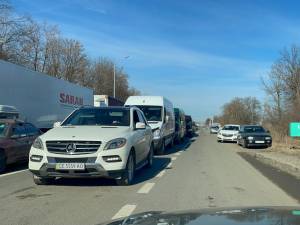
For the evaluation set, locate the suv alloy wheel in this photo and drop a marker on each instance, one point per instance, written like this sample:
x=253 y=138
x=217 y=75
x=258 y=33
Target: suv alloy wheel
x=128 y=175
x=150 y=157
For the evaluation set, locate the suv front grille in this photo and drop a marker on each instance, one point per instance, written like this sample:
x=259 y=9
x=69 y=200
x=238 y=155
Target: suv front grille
x=71 y=160
x=227 y=135
x=259 y=138
x=73 y=147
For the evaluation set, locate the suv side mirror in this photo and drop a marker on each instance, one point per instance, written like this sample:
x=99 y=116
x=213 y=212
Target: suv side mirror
x=139 y=126
x=57 y=124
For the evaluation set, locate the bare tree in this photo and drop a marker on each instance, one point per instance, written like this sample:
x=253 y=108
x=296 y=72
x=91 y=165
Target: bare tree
x=241 y=111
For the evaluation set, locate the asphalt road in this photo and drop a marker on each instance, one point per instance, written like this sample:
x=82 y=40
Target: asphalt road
x=199 y=173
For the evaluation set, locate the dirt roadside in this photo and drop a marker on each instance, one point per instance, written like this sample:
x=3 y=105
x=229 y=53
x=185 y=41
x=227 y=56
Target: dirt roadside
x=279 y=157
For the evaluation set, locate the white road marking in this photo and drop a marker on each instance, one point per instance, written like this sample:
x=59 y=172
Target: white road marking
x=125 y=211
x=177 y=153
x=146 y=188
x=7 y=174
x=161 y=173
x=174 y=158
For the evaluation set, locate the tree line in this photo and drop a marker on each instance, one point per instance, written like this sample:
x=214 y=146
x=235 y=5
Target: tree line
x=282 y=105
x=42 y=48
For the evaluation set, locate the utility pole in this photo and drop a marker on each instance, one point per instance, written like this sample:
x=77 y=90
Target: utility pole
x=114 y=80
x=126 y=57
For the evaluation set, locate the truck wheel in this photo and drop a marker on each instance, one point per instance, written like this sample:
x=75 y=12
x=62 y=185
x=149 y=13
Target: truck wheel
x=162 y=148
x=150 y=158
x=2 y=161
x=128 y=175
x=42 y=181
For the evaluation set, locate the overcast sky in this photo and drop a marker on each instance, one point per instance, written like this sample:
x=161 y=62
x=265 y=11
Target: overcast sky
x=199 y=54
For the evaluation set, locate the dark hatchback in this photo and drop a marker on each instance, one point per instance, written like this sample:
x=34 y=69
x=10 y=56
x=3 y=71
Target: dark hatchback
x=254 y=136
x=16 y=138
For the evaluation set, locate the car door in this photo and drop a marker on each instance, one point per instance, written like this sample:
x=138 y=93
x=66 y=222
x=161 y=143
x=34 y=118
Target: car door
x=138 y=138
x=147 y=132
x=20 y=141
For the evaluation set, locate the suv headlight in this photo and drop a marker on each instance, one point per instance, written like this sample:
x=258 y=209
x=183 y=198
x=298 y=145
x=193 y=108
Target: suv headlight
x=156 y=134
x=250 y=138
x=115 y=143
x=38 y=144
x=268 y=138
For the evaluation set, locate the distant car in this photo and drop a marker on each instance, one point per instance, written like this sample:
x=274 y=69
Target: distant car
x=252 y=136
x=214 y=129
x=16 y=138
x=180 y=127
x=189 y=125
x=228 y=133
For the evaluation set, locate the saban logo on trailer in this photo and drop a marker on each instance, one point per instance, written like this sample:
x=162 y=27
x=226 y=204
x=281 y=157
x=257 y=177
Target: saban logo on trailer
x=70 y=99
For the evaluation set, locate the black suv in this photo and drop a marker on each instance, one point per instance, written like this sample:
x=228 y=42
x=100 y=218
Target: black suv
x=253 y=135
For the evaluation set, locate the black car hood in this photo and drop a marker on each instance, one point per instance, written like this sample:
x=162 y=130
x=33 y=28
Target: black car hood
x=257 y=134
x=221 y=216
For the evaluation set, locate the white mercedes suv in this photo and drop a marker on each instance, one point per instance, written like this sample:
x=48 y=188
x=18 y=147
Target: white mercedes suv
x=94 y=142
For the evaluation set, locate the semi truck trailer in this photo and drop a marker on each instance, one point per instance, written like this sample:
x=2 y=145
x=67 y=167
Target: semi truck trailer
x=39 y=98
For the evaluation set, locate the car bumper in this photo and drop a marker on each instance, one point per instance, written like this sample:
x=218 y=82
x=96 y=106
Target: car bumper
x=91 y=170
x=255 y=144
x=95 y=164
x=223 y=138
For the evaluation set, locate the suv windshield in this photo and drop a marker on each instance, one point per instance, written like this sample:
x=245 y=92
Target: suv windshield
x=3 y=128
x=254 y=129
x=152 y=113
x=99 y=116
x=230 y=128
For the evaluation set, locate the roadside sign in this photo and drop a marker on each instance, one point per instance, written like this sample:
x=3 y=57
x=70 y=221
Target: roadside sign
x=295 y=129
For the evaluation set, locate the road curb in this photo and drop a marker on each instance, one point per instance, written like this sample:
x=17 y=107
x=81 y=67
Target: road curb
x=288 y=168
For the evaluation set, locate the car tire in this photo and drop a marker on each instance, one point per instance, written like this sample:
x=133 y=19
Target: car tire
x=162 y=148
x=172 y=143
x=2 y=161
x=150 y=157
x=42 y=181
x=128 y=175
x=244 y=144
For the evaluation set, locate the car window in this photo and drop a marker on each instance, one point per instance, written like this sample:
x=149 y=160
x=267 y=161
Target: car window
x=31 y=130
x=99 y=117
x=136 y=118
x=19 y=130
x=254 y=129
x=152 y=113
x=234 y=128
x=141 y=118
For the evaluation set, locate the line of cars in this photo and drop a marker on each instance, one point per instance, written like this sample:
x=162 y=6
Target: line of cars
x=244 y=135
x=99 y=141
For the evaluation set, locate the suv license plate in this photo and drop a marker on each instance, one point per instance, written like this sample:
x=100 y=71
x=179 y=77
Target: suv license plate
x=70 y=166
x=259 y=142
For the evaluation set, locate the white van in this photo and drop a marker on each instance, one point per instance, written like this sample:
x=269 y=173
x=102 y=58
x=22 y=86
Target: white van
x=159 y=113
